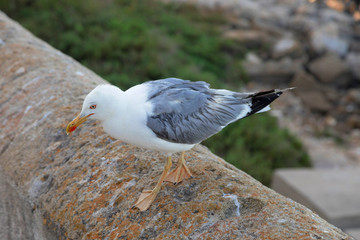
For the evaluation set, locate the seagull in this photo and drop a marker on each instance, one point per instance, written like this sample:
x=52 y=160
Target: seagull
x=168 y=115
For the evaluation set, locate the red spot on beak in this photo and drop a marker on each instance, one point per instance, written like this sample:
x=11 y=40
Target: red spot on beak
x=75 y=123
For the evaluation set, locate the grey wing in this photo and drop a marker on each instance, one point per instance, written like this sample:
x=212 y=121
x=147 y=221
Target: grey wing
x=159 y=87
x=189 y=112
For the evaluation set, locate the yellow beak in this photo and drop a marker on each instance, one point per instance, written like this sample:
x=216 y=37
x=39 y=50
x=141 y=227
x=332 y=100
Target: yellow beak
x=75 y=123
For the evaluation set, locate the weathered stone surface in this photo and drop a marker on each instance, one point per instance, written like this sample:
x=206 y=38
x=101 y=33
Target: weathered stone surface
x=354 y=96
x=331 y=69
x=353 y=61
x=286 y=46
x=311 y=92
x=17 y=220
x=84 y=186
x=323 y=191
x=257 y=37
x=279 y=72
x=355 y=232
x=328 y=38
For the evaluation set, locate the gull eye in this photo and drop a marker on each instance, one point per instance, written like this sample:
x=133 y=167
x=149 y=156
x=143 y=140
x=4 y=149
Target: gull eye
x=92 y=106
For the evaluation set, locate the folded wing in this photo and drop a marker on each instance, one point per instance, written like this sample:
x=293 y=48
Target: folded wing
x=190 y=112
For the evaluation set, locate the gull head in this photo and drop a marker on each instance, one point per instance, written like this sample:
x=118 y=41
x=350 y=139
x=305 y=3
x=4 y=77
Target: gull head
x=99 y=104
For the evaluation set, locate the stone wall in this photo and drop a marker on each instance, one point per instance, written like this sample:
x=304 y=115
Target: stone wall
x=84 y=186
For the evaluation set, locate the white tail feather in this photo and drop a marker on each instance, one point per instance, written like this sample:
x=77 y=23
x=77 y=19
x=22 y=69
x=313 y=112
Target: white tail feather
x=265 y=109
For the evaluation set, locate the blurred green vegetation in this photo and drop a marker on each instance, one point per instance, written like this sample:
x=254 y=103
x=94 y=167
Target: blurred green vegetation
x=258 y=146
x=128 y=42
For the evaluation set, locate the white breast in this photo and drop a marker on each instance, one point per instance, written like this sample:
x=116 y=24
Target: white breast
x=129 y=123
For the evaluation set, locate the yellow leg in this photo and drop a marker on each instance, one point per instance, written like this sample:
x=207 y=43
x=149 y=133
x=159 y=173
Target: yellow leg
x=180 y=173
x=148 y=196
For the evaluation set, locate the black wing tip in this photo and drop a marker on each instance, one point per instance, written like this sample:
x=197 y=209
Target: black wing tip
x=262 y=99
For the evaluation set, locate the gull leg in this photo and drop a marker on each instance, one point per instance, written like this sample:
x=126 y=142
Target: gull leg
x=148 y=196
x=180 y=173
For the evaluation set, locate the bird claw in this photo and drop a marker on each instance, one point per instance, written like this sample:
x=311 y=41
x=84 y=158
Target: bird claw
x=145 y=200
x=178 y=174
